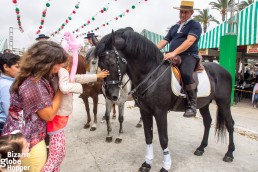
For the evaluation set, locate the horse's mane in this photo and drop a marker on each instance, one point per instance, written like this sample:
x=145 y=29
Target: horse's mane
x=136 y=45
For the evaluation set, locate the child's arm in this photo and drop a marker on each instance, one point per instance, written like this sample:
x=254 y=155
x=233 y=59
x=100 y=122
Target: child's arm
x=65 y=85
x=86 y=78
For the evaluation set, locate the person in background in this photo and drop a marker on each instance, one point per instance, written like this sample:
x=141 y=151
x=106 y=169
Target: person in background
x=55 y=128
x=42 y=37
x=33 y=100
x=7 y=51
x=13 y=148
x=9 y=67
x=183 y=38
x=255 y=94
x=92 y=39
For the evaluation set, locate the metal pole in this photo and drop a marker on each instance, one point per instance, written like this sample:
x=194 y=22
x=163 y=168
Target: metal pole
x=11 y=38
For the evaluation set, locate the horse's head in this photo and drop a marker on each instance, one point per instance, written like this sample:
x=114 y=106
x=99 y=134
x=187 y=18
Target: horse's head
x=111 y=58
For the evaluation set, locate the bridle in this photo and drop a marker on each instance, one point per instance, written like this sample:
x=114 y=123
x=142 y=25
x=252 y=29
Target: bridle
x=118 y=56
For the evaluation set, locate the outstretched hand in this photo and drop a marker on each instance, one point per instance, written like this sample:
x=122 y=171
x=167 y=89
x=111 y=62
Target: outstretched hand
x=103 y=74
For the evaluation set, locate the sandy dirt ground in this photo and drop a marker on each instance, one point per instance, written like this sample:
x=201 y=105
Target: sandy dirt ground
x=87 y=150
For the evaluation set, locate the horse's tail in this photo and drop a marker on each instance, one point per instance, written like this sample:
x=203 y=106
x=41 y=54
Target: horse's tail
x=220 y=128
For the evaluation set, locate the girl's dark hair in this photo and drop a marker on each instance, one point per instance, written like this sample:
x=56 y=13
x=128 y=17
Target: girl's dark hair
x=11 y=143
x=9 y=59
x=38 y=61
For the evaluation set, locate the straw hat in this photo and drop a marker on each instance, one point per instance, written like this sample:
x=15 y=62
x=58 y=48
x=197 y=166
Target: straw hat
x=186 y=5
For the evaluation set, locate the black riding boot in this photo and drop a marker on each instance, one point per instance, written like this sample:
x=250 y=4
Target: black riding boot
x=191 y=99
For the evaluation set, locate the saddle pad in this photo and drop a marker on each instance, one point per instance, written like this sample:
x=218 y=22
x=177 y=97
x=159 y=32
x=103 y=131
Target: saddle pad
x=204 y=86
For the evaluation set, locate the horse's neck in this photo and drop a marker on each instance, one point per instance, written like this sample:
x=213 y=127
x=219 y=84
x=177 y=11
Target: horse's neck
x=138 y=71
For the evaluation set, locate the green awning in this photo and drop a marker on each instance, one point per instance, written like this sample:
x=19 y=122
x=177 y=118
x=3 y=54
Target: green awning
x=155 y=38
x=247 y=29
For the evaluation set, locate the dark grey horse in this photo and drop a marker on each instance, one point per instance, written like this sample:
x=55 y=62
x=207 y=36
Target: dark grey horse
x=125 y=51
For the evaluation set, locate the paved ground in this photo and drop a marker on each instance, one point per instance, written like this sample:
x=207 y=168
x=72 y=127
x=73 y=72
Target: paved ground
x=87 y=151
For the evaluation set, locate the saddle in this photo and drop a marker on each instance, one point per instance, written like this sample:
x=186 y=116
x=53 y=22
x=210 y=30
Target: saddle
x=200 y=76
x=175 y=63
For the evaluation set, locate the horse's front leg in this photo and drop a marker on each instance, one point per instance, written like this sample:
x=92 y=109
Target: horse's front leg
x=86 y=103
x=95 y=111
x=121 y=120
x=161 y=121
x=147 y=119
x=114 y=111
x=109 y=105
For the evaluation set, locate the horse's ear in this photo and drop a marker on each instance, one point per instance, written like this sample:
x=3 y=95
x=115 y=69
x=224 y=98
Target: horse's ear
x=113 y=37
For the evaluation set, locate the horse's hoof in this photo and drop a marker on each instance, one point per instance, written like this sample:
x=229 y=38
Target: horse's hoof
x=109 y=139
x=228 y=159
x=198 y=152
x=92 y=128
x=163 y=170
x=86 y=126
x=145 y=167
x=138 y=125
x=118 y=140
x=114 y=117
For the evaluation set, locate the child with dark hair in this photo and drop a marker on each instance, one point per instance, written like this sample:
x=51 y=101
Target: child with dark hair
x=13 y=147
x=9 y=66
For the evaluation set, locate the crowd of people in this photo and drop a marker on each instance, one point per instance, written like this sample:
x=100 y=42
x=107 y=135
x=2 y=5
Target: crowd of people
x=35 y=101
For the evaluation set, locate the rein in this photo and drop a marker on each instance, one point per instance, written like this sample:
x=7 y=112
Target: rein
x=147 y=78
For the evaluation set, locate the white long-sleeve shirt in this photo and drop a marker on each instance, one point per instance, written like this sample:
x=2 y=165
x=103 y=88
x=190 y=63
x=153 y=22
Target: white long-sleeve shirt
x=67 y=88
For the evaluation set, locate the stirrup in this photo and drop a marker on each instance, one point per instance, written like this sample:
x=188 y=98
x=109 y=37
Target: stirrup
x=189 y=113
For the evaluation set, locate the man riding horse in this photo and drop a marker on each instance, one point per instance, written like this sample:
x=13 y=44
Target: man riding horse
x=183 y=38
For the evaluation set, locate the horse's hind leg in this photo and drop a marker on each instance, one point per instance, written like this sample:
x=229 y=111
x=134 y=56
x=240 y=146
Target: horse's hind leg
x=121 y=120
x=139 y=124
x=86 y=103
x=224 y=115
x=205 y=112
x=109 y=106
x=95 y=111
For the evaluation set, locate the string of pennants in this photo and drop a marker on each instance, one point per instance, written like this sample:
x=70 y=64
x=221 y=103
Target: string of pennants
x=104 y=9
x=69 y=18
x=44 y=13
x=114 y=19
x=17 y=11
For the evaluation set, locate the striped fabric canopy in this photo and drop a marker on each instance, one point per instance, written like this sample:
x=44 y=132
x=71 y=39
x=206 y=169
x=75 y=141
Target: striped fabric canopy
x=155 y=38
x=247 y=29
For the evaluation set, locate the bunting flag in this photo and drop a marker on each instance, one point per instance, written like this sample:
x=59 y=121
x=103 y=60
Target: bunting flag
x=104 y=9
x=44 y=13
x=67 y=19
x=17 y=11
x=114 y=19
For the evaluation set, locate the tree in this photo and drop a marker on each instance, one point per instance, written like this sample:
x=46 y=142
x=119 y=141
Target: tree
x=244 y=4
x=221 y=6
x=205 y=18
